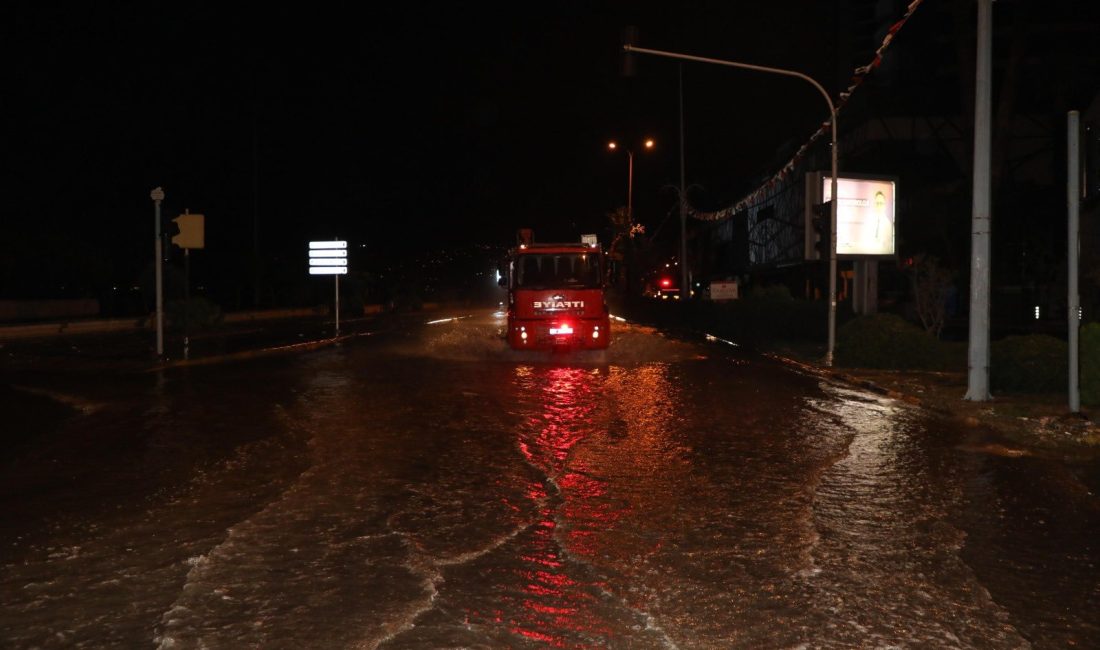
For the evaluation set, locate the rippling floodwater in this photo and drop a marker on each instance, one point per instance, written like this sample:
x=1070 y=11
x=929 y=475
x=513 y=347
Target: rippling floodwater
x=437 y=490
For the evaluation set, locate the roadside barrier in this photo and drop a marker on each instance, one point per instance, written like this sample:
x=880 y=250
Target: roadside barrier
x=77 y=327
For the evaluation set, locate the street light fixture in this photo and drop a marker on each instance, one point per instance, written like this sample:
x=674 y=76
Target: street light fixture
x=648 y=143
x=832 y=122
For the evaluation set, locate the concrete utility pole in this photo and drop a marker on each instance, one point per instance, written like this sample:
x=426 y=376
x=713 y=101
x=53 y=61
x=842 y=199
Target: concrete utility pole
x=832 y=122
x=1073 y=299
x=158 y=195
x=981 y=216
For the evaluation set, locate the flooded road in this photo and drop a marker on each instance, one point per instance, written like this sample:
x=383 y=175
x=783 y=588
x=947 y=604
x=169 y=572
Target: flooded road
x=432 y=489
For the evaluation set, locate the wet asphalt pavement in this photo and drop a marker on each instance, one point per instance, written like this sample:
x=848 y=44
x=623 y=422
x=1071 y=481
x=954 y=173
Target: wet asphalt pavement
x=424 y=487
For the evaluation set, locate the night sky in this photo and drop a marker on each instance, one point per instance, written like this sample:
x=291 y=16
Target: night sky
x=422 y=126
x=396 y=128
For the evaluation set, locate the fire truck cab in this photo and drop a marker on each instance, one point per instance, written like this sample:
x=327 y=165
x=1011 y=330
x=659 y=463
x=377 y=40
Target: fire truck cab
x=556 y=297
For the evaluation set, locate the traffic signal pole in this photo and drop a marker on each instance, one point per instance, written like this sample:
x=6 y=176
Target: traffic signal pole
x=832 y=121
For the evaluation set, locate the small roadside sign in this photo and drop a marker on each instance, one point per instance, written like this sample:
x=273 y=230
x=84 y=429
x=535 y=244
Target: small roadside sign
x=191 y=231
x=723 y=290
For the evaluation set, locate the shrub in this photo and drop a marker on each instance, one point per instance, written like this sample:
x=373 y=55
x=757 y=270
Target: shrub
x=771 y=313
x=1035 y=363
x=201 y=313
x=772 y=292
x=887 y=341
x=763 y=316
x=930 y=284
x=406 y=300
x=1090 y=364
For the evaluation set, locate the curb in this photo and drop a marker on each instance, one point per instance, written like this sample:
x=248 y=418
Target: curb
x=888 y=392
x=257 y=353
x=944 y=411
x=848 y=379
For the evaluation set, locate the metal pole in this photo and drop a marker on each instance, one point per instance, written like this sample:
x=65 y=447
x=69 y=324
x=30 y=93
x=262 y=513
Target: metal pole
x=981 y=215
x=158 y=195
x=255 y=217
x=186 y=301
x=1073 y=200
x=630 y=187
x=832 y=120
x=685 y=285
x=337 y=276
x=832 y=244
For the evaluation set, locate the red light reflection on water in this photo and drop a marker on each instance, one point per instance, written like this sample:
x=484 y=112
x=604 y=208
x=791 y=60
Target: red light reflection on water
x=567 y=398
x=558 y=597
x=554 y=608
x=588 y=512
x=540 y=636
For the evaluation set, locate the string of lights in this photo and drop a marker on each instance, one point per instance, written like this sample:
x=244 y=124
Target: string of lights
x=788 y=169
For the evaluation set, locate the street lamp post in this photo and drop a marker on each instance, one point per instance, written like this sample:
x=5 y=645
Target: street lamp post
x=630 y=186
x=649 y=144
x=832 y=122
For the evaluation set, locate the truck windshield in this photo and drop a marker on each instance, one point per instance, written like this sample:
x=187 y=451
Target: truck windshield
x=558 y=270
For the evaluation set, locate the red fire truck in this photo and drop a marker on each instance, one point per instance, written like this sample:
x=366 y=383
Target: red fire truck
x=556 y=297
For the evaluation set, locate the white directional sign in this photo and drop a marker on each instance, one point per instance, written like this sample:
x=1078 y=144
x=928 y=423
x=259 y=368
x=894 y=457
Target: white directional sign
x=328 y=258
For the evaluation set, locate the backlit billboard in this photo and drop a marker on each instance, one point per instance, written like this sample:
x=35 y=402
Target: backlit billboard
x=865 y=224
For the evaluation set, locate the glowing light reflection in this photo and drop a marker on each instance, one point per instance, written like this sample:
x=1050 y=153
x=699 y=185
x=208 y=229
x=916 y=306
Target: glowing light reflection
x=445 y=320
x=712 y=338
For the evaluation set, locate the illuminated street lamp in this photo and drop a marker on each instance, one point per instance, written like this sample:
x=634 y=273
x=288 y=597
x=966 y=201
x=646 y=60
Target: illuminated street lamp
x=613 y=146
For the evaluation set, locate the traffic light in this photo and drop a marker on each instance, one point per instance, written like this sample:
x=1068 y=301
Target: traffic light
x=169 y=229
x=822 y=221
x=1091 y=161
x=188 y=231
